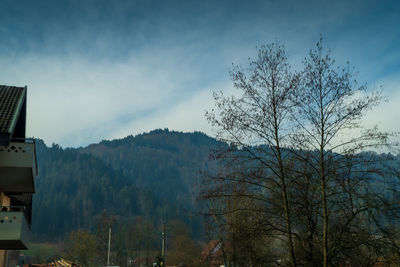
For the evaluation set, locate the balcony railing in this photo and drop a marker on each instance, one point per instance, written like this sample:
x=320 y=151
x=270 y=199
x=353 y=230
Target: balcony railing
x=13 y=228
x=18 y=166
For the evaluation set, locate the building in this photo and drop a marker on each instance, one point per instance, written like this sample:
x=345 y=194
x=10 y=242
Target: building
x=215 y=254
x=17 y=174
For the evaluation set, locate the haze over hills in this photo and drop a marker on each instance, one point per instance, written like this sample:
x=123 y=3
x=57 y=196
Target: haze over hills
x=153 y=175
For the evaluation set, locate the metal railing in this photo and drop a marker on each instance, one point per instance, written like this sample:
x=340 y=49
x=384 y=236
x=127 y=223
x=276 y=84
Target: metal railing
x=28 y=141
x=22 y=209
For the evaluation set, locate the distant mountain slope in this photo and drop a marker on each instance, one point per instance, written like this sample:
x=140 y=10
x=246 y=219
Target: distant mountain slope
x=165 y=162
x=152 y=175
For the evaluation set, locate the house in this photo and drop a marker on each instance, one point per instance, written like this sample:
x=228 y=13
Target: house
x=215 y=253
x=17 y=174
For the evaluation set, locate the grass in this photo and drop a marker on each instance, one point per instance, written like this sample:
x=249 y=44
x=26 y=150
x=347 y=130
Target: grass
x=42 y=252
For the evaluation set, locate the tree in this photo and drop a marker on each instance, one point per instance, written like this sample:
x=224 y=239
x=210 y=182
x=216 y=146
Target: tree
x=183 y=249
x=327 y=115
x=104 y=223
x=297 y=152
x=257 y=123
x=81 y=248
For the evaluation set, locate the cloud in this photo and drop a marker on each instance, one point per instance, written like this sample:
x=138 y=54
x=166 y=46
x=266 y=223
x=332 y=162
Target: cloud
x=75 y=101
x=108 y=69
x=72 y=95
x=386 y=115
x=187 y=114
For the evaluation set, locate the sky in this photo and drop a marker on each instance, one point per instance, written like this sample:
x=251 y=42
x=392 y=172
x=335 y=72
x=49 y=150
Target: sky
x=98 y=69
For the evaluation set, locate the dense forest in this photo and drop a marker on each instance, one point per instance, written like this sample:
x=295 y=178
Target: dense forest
x=134 y=184
x=152 y=175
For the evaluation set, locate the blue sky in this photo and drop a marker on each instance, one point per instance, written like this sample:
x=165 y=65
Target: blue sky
x=105 y=69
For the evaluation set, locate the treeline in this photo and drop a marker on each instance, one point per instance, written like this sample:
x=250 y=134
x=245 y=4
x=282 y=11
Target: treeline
x=134 y=244
x=136 y=183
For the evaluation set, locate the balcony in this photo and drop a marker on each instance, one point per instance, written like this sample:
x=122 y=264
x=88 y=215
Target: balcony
x=13 y=228
x=18 y=167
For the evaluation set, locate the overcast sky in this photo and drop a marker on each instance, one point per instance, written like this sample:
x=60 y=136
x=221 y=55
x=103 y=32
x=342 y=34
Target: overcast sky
x=105 y=69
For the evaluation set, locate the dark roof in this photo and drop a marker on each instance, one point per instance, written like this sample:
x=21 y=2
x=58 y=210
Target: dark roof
x=12 y=113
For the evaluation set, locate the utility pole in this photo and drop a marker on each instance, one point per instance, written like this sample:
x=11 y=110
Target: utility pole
x=109 y=246
x=163 y=246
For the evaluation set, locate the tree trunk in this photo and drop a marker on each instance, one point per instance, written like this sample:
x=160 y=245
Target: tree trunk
x=284 y=191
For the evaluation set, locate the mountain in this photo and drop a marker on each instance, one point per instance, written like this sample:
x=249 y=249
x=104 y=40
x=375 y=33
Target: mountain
x=164 y=162
x=153 y=175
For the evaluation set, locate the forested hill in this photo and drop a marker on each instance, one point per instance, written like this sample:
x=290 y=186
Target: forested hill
x=153 y=175
x=166 y=163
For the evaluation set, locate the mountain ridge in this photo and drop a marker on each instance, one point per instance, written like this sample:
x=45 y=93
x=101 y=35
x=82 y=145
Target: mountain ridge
x=152 y=175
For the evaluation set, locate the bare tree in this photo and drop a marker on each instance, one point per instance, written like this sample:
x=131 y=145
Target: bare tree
x=257 y=123
x=241 y=224
x=330 y=106
x=297 y=153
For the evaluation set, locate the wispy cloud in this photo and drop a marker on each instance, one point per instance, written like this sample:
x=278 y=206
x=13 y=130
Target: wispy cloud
x=101 y=69
x=73 y=96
